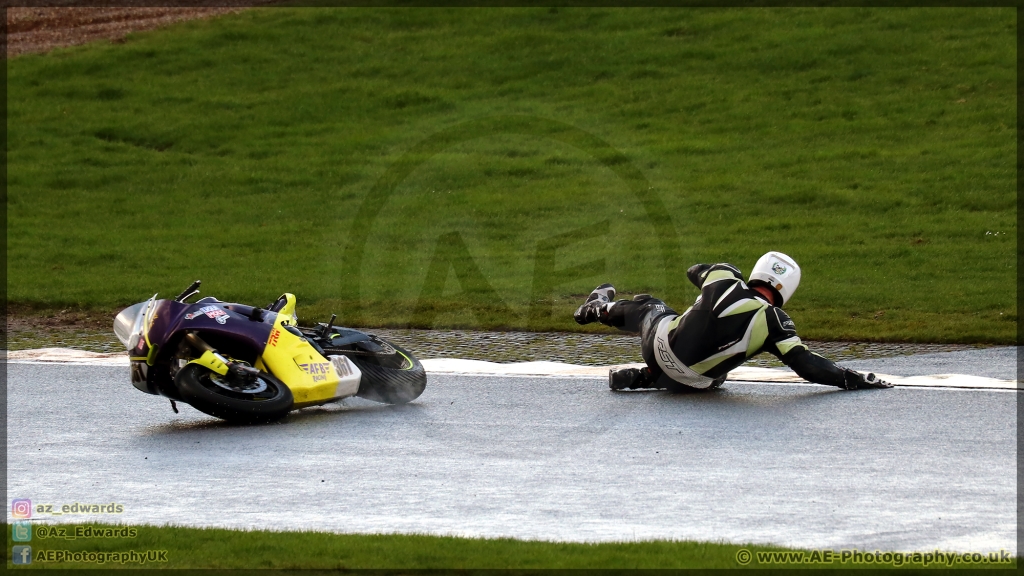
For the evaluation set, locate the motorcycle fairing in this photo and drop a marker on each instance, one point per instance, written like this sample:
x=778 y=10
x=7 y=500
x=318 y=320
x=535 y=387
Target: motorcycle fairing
x=168 y=321
x=285 y=305
x=344 y=337
x=312 y=378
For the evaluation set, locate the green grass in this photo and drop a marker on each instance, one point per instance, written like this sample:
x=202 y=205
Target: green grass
x=217 y=548
x=485 y=168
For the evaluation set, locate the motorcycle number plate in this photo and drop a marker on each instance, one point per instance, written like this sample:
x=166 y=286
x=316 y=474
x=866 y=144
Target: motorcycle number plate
x=343 y=366
x=348 y=375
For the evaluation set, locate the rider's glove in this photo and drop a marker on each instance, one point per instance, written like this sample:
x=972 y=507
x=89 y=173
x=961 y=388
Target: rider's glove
x=855 y=380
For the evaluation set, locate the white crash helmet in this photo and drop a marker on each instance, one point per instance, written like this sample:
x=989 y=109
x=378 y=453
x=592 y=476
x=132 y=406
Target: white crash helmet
x=777 y=271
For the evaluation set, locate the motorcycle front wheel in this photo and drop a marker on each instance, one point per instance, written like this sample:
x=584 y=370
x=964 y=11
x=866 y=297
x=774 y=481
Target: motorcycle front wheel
x=264 y=400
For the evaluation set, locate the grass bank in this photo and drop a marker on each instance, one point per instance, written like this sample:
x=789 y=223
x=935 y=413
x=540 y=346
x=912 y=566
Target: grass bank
x=486 y=168
x=217 y=548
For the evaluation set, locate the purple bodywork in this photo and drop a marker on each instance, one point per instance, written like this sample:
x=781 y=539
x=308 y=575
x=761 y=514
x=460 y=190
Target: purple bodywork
x=231 y=328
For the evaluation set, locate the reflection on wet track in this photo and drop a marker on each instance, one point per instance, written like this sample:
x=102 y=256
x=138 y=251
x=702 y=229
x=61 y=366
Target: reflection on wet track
x=538 y=457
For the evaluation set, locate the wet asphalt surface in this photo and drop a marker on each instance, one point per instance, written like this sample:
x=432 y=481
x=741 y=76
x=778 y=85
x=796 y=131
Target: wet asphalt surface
x=537 y=458
x=999 y=362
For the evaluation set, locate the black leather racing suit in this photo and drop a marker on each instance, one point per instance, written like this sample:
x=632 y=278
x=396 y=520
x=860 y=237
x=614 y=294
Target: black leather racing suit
x=727 y=324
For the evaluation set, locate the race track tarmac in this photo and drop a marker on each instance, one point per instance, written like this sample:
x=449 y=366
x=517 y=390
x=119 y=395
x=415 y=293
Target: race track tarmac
x=537 y=458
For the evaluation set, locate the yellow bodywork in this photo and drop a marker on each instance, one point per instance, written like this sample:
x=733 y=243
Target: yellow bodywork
x=311 y=377
x=288 y=310
x=210 y=360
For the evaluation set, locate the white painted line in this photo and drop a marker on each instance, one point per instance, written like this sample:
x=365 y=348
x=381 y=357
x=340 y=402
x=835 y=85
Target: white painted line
x=743 y=373
x=549 y=369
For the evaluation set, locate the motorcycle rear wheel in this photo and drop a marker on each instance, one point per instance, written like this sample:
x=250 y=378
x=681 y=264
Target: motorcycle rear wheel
x=206 y=392
x=398 y=378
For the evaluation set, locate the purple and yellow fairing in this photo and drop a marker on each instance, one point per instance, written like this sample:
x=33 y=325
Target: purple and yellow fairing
x=268 y=340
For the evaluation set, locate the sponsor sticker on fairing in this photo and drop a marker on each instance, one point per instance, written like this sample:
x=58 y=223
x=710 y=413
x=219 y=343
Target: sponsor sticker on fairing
x=212 y=312
x=318 y=370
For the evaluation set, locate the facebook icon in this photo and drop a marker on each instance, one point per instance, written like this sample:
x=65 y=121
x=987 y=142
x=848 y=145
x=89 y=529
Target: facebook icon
x=21 y=555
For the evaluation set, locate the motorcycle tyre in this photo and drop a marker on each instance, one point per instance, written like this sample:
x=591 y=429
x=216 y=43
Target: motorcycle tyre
x=208 y=401
x=390 y=385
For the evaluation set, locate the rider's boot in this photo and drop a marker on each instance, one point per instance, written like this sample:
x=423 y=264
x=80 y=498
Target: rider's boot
x=631 y=378
x=590 y=311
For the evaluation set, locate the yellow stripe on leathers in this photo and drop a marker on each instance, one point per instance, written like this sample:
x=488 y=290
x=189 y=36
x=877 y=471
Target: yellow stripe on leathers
x=309 y=375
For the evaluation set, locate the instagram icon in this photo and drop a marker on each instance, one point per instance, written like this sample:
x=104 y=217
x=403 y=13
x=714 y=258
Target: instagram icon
x=21 y=508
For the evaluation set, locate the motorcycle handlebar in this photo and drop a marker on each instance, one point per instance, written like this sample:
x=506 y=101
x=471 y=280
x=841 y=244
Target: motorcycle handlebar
x=191 y=290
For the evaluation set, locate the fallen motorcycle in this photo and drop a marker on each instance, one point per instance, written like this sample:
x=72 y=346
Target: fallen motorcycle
x=251 y=365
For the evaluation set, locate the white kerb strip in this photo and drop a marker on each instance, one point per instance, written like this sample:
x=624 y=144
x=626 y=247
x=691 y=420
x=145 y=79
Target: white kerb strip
x=482 y=368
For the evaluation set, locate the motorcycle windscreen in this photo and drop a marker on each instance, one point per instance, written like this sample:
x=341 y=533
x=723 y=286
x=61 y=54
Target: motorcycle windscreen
x=127 y=321
x=135 y=317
